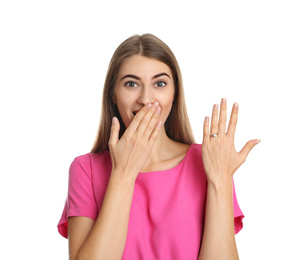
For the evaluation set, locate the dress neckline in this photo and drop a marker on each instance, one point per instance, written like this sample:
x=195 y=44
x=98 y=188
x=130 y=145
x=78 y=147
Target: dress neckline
x=173 y=168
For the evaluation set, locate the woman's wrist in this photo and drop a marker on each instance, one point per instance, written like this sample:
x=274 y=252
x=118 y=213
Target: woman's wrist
x=122 y=177
x=221 y=183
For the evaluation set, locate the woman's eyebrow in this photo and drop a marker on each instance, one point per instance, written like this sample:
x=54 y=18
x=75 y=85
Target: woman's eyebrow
x=160 y=74
x=136 y=77
x=130 y=76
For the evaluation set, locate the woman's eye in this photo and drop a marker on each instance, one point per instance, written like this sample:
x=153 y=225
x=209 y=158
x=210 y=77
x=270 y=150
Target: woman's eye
x=160 y=84
x=130 y=84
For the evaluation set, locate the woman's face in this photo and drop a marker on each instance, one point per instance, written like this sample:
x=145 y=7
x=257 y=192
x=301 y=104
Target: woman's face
x=142 y=80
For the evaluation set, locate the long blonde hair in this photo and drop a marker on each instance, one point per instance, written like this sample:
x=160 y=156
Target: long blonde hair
x=177 y=125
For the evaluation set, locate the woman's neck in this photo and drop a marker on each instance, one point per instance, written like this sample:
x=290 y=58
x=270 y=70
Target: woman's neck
x=163 y=150
x=161 y=144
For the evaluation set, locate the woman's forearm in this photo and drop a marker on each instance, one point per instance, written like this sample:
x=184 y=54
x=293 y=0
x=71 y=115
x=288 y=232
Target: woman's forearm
x=108 y=236
x=218 y=237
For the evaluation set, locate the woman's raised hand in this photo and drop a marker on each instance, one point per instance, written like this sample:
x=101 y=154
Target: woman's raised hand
x=129 y=154
x=220 y=159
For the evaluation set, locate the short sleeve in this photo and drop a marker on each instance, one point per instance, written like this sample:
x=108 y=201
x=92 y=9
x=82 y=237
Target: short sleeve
x=238 y=214
x=80 y=200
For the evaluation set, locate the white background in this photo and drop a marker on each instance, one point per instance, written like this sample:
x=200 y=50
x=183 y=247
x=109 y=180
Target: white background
x=53 y=60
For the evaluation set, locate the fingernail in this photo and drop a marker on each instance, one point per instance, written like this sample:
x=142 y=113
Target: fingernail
x=224 y=100
x=258 y=141
x=216 y=106
x=156 y=104
x=158 y=110
x=235 y=105
x=114 y=120
x=149 y=105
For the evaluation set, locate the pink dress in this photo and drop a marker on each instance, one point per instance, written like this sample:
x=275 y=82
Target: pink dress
x=167 y=212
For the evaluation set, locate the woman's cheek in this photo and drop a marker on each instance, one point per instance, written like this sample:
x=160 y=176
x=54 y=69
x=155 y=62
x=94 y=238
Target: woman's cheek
x=165 y=113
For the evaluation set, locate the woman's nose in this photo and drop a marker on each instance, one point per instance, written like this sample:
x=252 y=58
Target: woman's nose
x=145 y=97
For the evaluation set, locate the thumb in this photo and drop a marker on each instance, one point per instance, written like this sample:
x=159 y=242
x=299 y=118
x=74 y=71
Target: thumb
x=114 y=134
x=248 y=147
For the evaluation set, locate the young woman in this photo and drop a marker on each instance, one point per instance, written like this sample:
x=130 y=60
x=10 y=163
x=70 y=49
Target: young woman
x=146 y=190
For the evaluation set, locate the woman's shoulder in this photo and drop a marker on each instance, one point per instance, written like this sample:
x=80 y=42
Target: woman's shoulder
x=188 y=153
x=89 y=161
x=186 y=149
x=196 y=146
x=193 y=157
x=88 y=157
x=194 y=149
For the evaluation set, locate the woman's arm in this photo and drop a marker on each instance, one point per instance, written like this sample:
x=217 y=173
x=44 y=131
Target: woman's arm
x=218 y=237
x=220 y=161
x=106 y=238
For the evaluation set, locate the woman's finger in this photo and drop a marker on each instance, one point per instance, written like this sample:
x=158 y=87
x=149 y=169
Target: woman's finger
x=114 y=134
x=144 y=123
x=222 y=117
x=247 y=148
x=151 y=125
x=214 y=121
x=131 y=129
x=233 y=120
x=206 y=130
x=155 y=133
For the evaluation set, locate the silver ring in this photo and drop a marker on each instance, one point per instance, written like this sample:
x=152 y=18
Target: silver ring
x=214 y=135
